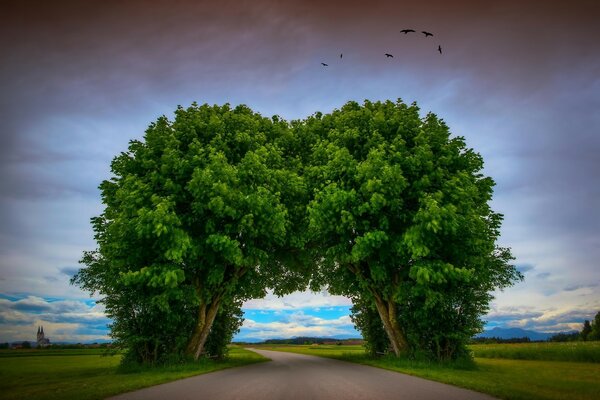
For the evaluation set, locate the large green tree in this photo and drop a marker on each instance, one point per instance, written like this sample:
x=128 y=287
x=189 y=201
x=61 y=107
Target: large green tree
x=194 y=215
x=374 y=201
x=401 y=215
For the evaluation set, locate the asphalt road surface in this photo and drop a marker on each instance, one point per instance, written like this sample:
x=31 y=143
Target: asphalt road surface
x=296 y=376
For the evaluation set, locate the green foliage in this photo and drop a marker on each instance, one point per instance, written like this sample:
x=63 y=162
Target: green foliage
x=217 y=205
x=401 y=214
x=586 y=330
x=565 y=337
x=595 y=332
x=190 y=214
x=366 y=319
x=226 y=325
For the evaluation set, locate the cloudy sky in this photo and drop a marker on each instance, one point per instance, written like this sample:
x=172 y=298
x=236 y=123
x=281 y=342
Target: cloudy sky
x=520 y=80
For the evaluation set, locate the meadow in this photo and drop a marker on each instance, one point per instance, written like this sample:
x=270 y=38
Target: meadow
x=542 y=351
x=507 y=371
x=86 y=374
x=554 y=371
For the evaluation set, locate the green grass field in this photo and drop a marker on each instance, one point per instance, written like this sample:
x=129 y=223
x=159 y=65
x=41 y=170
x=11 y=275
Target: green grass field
x=498 y=374
x=508 y=371
x=85 y=374
x=543 y=351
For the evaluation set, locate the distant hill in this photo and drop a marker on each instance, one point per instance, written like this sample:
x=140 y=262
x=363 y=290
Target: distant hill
x=300 y=340
x=510 y=333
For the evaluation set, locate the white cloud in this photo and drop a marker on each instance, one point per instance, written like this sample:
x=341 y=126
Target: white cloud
x=297 y=300
x=63 y=320
x=298 y=324
x=550 y=319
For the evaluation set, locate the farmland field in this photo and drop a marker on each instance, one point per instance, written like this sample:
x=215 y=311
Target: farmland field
x=543 y=351
x=85 y=374
x=505 y=372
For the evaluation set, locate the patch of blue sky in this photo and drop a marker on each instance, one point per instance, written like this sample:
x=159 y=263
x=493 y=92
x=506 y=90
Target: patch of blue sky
x=20 y=296
x=89 y=302
x=13 y=297
x=493 y=324
x=91 y=330
x=326 y=313
x=53 y=299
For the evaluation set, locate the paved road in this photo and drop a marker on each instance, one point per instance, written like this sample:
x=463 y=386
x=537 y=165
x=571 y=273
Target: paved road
x=295 y=376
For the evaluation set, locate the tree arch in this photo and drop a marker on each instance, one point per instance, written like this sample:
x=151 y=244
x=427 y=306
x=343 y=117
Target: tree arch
x=212 y=208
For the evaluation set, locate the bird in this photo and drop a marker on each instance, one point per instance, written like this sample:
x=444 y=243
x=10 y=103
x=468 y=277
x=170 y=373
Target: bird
x=427 y=33
x=388 y=55
x=440 y=49
x=325 y=65
x=405 y=31
x=341 y=54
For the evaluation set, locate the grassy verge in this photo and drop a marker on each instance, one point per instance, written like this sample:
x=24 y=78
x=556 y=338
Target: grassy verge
x=503 y=378
x=91 y=376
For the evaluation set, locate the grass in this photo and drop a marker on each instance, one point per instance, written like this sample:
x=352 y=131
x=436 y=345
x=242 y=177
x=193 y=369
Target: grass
x=543 y=351
x=86 y=375
x=505 y=378
x=49 y=352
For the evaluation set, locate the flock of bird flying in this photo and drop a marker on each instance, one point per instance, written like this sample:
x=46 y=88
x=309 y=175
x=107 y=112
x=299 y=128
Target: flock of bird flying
x=405 y=31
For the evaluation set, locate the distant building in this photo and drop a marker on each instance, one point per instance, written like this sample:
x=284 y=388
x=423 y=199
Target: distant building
x=42 y=341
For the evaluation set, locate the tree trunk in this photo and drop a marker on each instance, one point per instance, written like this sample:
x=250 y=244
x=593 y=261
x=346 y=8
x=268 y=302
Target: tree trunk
x=387 y=312
x=206 y=317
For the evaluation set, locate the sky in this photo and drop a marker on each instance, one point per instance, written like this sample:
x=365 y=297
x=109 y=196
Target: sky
x=520 y=80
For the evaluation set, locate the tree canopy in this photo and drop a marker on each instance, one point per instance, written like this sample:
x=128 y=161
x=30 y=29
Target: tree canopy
x=193 y=216
x=402 y=216
x=372 y=201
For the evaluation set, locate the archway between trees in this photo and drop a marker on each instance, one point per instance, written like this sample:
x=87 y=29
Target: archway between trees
x=372 y=201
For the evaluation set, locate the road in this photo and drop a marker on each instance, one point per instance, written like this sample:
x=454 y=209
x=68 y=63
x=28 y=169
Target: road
x=297 y=376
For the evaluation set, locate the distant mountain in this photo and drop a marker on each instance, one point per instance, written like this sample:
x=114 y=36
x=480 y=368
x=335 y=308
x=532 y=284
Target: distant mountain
x=510 y=333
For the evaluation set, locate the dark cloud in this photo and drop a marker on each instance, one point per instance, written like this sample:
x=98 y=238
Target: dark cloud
x=572 y=288
x=69 y=271
x=31 y=306
x=524 y=267
x=4 y=320
x=512 y=315
x=99 y=58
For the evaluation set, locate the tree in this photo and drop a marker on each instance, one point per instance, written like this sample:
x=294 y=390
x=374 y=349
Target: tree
x=227 y=323
x=585 y=332
x=373 y=201
x=595 y=332
x=401 y=217
x=366 y=319
x=565 y=337
x=193 y=216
